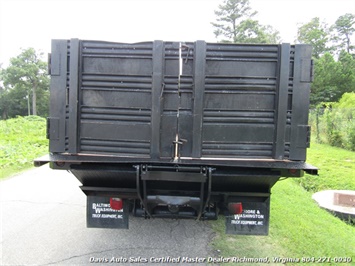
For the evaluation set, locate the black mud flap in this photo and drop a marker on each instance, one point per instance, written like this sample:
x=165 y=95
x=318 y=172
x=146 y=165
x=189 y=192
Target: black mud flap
x=100 y=215
x=254 y=219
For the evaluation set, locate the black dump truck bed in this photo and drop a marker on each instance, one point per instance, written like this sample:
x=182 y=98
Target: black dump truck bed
x=173 y=129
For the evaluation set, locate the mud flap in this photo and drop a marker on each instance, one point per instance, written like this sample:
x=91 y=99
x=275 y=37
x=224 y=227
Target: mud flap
x=100 y=215
x=254 y=219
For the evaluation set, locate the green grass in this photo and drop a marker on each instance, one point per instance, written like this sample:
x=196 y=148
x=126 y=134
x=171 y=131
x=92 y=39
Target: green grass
x=22 y=139
x=337 y=168
x=298 y=227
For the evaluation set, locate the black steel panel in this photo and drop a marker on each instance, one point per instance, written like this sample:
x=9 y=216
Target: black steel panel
x=114 y=114
x=241 y=68
x=53 y=128
x=238 y=133
x=116 y=131
x=58 y=95
x=116 y=98
x=239 y=116
x=116 y=82
x=117 y=66
x=229 y=101
x=300 y=102
x=121 y=147
x=174 y=102
x=220 y=149
x=113 y=98
x=239 y=102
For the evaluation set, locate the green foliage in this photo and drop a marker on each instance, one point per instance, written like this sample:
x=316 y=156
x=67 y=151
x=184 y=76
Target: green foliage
x=324 y=39
x=332 y=119
x=335 y=122
x=347 y=101
x=347 y=105
x=324 y=86
x=315 y=33
x=22 y=139
x=346 y=78
x=332 y=78
x=235 y=24
x=25 y=84
x=250 y=31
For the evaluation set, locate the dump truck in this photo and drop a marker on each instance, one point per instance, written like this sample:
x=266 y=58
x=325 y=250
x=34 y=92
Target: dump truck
x=179 y=129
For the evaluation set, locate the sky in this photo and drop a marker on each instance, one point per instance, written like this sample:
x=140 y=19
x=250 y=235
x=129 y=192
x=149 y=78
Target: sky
x=33 y=23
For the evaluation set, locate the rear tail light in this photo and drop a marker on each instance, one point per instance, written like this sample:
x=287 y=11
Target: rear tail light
x=293 y=171
x=235 y=208
x=116 y=204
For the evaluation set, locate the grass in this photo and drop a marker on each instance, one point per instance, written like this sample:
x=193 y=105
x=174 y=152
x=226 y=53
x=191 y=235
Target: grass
x=337 y=168
x=298 y=227
x=22 y=139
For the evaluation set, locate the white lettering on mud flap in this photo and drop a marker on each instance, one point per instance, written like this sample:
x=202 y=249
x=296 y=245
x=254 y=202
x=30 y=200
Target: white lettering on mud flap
x=254 y=220
x=100 y=214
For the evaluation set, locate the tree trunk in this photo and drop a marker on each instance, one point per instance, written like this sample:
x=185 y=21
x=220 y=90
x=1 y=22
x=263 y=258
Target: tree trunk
x=347 y=43
x=34 y=100
x=4 y=114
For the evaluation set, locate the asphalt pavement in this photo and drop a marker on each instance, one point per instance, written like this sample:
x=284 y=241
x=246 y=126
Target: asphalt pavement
x=43 y=222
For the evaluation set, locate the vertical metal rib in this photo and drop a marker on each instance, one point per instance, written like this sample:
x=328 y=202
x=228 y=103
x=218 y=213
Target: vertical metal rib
x=158 y=53
x=73 y=95
x=198 y=94
x=281 y=103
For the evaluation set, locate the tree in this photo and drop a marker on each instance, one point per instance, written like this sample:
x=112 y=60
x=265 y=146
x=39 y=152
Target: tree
x=3 y=98
x=250 y=31
x=235 y=24
x=4 y=103
x=346 y=81
x=315 y=33
x=344 y=27
x=325 y=84
x=332 y=79
x=25 y=78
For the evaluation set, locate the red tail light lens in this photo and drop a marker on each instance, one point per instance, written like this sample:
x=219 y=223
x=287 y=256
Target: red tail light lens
x=293 y=171
x=116 y=204
x=235 y=208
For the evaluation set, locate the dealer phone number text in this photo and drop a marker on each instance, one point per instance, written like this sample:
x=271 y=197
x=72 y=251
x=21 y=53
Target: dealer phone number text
x=326 y=260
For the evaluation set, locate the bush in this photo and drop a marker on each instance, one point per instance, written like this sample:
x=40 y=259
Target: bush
x=351 y=137
x=334 y=123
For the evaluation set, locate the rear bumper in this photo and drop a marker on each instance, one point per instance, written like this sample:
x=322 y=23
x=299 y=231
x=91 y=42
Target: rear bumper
x=287 y=168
